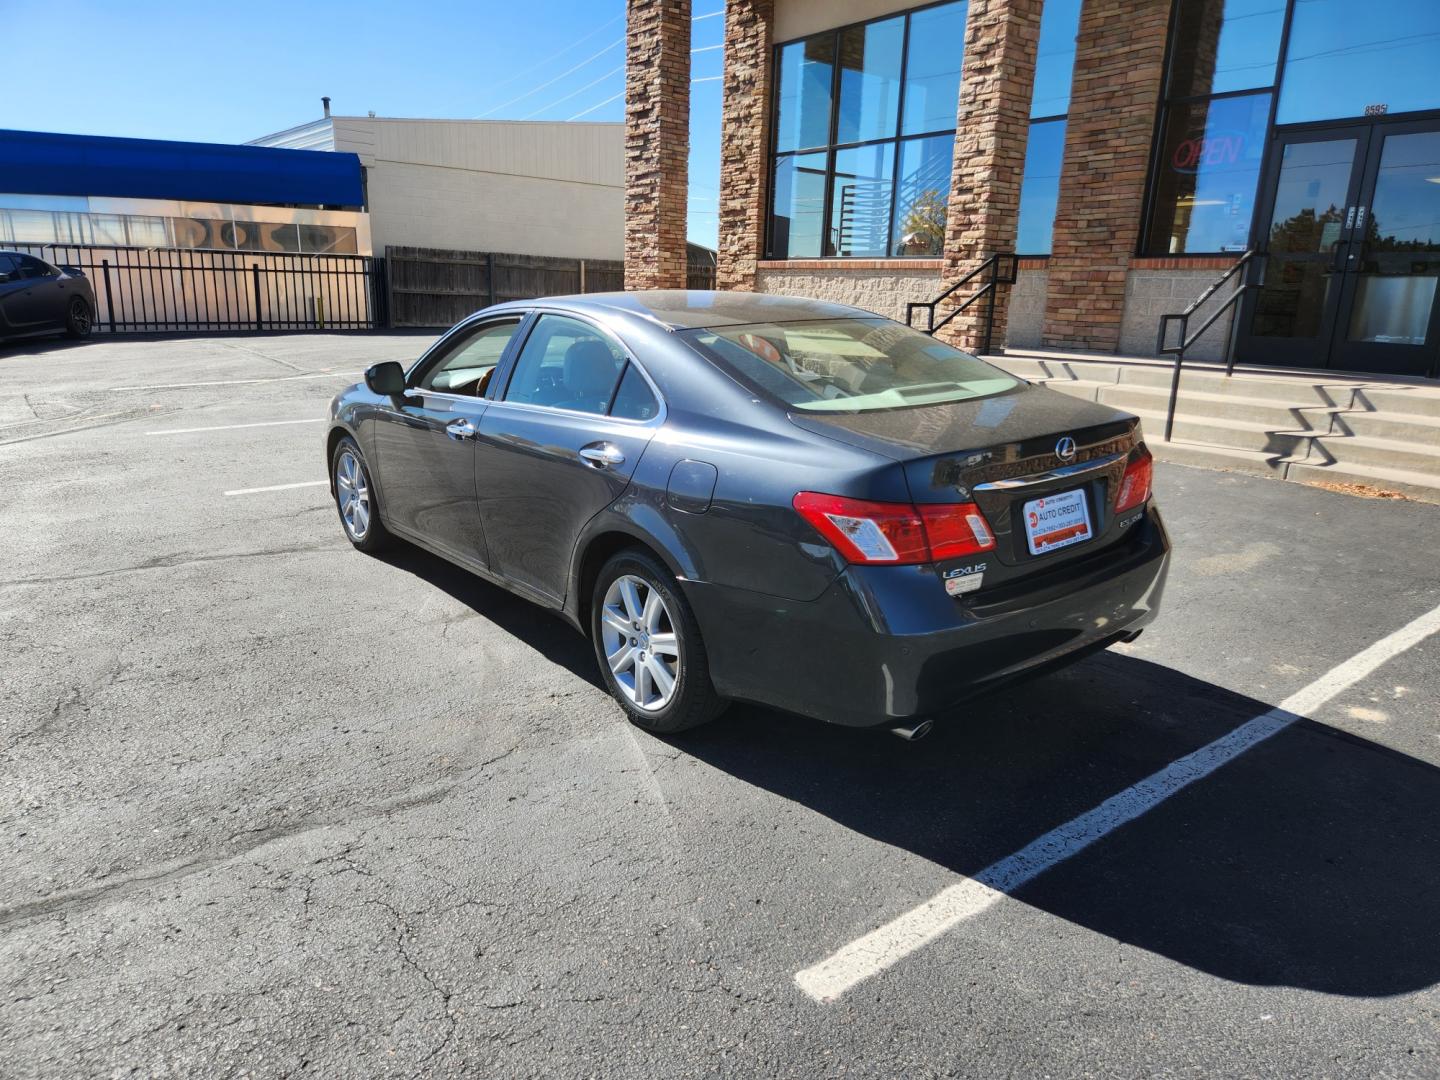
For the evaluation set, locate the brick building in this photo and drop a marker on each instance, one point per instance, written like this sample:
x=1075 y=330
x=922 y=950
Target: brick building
x=1127 y=151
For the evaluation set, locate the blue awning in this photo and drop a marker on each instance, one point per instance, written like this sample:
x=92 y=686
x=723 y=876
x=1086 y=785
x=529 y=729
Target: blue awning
x=47 y=163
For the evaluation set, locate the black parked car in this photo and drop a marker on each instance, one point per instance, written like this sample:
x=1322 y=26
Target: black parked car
x=752 y=497
x=37 y=298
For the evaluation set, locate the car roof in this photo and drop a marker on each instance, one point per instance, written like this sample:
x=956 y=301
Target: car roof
x=682 y=309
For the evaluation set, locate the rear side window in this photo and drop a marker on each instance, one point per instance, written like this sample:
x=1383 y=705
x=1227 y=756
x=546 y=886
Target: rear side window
x=31 y=267
x=634 y=400
x=567 y=364
x=7 y=268
x=850 y=365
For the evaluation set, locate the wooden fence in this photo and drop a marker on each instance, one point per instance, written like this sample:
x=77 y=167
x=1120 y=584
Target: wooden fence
x=437 y=287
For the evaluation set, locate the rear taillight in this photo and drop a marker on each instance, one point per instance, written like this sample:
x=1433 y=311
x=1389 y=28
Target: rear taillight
x=955 y=529
x=1134 y=487
x=896 y=533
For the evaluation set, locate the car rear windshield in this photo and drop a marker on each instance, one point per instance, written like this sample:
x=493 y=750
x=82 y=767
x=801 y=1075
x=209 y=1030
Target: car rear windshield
x=850 y=365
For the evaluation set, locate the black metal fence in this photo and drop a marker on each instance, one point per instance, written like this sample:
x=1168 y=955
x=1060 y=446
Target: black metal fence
x=146 y=290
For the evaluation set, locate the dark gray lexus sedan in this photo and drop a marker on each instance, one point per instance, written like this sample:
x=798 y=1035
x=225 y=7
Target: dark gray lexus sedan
x=751 y=497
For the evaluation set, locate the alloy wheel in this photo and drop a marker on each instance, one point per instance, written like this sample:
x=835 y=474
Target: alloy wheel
x=353 y=494
x=641 y=643
x=79 y=317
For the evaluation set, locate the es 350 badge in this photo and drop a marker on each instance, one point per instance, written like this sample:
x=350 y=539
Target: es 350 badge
x=964 y=579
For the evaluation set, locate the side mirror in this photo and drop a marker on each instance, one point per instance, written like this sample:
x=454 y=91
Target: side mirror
x=387 y=378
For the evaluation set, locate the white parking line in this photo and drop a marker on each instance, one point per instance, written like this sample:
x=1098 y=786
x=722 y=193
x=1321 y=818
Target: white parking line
x=234 y=427
x=239 y=382
x=879 y=949
x=278 y=487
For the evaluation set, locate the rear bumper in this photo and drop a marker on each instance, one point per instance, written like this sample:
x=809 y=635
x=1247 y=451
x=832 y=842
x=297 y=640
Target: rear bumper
x=886 y=643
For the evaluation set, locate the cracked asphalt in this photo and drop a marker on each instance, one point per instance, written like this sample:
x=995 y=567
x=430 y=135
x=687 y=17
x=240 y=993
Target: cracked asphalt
x=272 y=807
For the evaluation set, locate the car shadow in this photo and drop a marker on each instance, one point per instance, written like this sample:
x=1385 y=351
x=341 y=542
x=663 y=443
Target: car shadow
x=543 y=630
x=1311 y=861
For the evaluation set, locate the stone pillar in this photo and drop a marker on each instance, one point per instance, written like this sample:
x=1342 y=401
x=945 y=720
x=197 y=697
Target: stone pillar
x=657 y=142
x=993 y=123
x=1119 y=61
x=744 y=142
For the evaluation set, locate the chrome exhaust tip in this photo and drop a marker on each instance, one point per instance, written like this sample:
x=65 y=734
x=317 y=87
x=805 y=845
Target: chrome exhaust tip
x=914 y=732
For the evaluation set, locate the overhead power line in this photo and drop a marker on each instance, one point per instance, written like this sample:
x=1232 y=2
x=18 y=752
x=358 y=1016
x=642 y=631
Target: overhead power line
x=551 y=82
x=556 y=55
x=573 y=93
x=602 y=104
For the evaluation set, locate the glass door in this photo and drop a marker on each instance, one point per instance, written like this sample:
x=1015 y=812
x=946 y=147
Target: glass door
x=1392 y=259
x=1352 y=232
x=1314 y=183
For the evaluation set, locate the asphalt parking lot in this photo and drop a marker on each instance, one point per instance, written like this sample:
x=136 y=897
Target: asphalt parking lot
x=271 y=806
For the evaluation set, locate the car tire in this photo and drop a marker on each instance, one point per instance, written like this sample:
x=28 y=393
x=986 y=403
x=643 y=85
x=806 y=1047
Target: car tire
x=355 y=499
x=77 y=319
x=644 y=631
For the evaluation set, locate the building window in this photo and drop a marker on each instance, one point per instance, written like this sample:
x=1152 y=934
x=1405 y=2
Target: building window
x=1045 y=146
x=1213 y=126
x=865 y=137
x=1343 y=56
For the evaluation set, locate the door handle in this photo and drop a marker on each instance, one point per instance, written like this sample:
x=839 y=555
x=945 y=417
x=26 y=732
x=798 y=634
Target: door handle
x=602 y=455
x=460 y=430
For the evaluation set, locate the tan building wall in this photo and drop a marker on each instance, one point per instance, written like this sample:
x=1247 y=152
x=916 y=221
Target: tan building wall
x=1027 y=305
x=884 y=289
x=531 y=188
x=1155 y=287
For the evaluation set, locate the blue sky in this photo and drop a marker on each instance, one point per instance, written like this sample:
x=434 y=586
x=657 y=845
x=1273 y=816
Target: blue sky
x=227 y=73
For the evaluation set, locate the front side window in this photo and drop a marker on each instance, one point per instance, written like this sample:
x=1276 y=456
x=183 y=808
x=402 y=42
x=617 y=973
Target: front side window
x=567 y=364
x=849 y=365
x=469 y=362
x=864 y=137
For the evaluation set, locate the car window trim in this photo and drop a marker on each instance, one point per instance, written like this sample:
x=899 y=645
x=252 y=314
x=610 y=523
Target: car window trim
x=600 y=328
x=474 y=324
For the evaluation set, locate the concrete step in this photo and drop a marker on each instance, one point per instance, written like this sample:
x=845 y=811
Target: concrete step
x=1419 y=486
x=1195 y=404
x=1312 y=427
x=1227 y=433
x=1045 y=370
x=1286 y=390
x=1090 y=391
x=1297 y=444
x=1379 y=453
x=1217 y=457
x=1403 y=400
x=1401 y=427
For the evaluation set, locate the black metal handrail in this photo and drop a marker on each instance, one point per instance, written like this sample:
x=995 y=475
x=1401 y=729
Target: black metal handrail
x=1248 y=281
x=1000 y=269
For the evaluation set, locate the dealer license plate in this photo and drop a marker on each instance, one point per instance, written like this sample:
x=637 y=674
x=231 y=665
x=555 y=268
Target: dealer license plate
x=1057 y=521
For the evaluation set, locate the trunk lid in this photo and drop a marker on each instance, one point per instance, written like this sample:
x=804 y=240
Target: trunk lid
x=1003 y=454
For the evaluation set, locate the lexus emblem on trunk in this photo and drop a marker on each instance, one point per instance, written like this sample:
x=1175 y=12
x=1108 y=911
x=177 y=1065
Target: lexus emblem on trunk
x=1065 y=449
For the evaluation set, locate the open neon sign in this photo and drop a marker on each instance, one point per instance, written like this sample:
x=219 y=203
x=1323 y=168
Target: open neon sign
x=1226 y=148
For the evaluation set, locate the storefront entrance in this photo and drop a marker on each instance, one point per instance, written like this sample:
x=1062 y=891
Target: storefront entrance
x=1350 y=219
